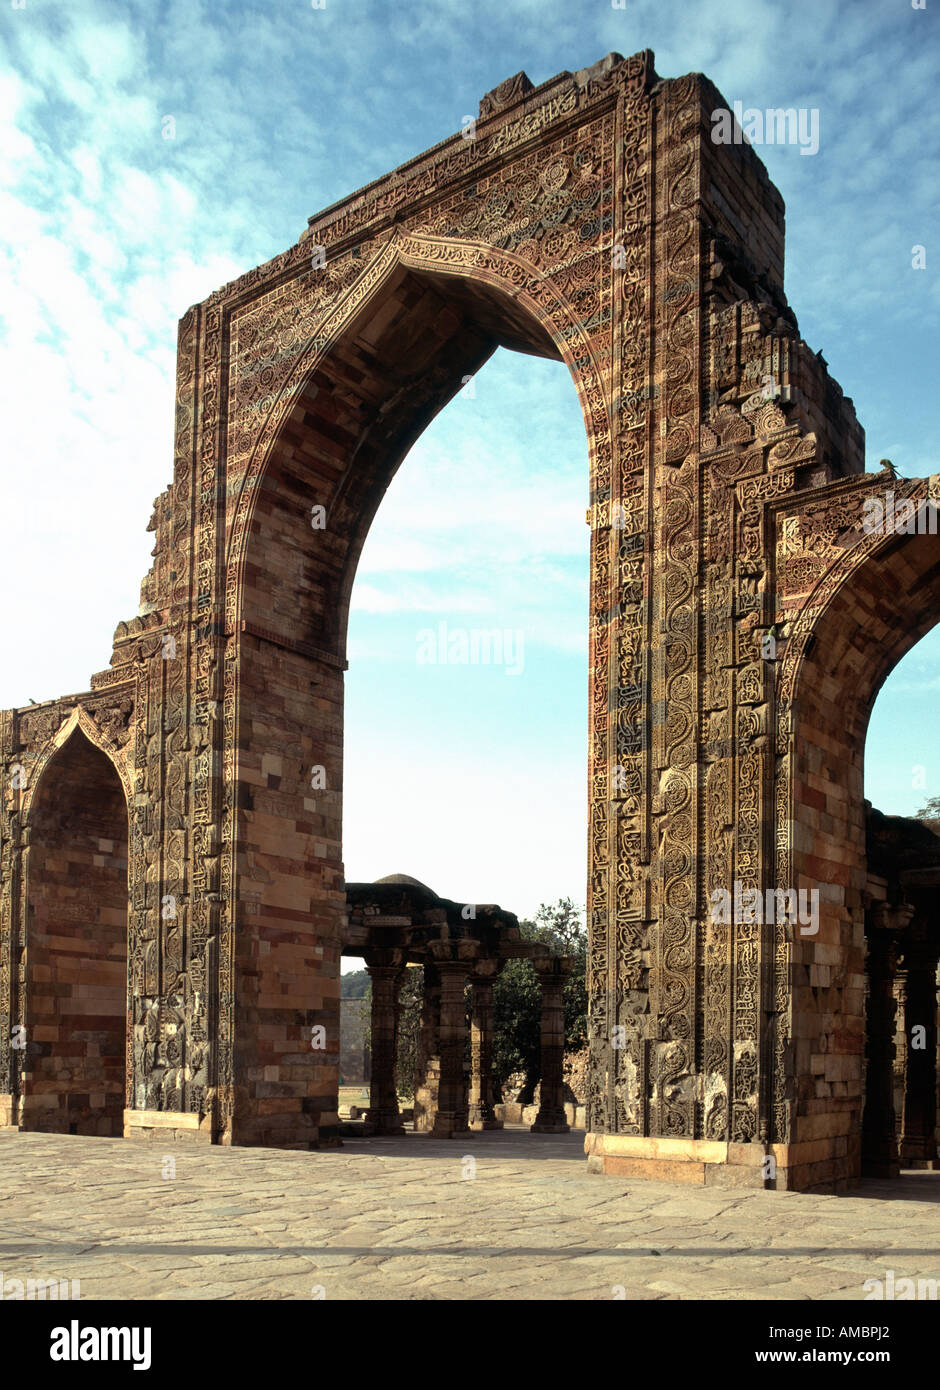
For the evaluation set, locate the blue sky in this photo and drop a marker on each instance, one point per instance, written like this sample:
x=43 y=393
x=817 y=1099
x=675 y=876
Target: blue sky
x=467 y=777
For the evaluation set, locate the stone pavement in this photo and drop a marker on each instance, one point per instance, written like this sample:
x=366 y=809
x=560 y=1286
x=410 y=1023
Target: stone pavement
x=406 y=1219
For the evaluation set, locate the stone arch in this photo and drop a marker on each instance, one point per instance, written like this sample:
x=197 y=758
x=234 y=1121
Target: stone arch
x=395 y=350
x=829 y=627
x=75 y=899
x=598 y=212
x=515 y=279
x=864 y=615
x=79 y=719
x=461 y=260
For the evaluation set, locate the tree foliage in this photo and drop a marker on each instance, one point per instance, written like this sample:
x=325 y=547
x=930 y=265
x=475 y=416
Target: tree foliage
x=356 y=1014
x=517 y=996
x=356 y=984
x=930 y=810
x=410 y=1004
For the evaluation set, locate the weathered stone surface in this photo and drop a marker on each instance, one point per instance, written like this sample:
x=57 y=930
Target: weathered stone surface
x=527 y=1222
x=742 y=618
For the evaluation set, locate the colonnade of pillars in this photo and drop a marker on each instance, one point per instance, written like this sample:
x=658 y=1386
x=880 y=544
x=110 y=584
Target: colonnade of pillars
x=443 y=1104
x=899 y=1127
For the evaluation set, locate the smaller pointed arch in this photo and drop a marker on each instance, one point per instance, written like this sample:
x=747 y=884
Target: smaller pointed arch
x=78 y=721
x=74 y=1010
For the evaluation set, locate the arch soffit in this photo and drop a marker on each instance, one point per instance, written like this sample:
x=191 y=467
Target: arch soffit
x=829 y=589
x=79 y=719
x=445 y=256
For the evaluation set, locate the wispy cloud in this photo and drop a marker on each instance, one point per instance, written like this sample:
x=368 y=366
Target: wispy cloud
x=150 y=153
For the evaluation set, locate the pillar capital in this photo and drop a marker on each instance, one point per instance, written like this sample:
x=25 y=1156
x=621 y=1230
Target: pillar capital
x=486 y=969
x=888 y=917
x=454 y=954
x=378 y=958
x=550 y=968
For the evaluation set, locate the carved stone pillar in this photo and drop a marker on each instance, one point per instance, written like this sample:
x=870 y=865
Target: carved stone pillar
x=386 y=970
x=553 y=972
x=482 y=1113
x=428 y=1060
x=454 y=960
x=879 y=1137
x=899 y=1068
x=918 y=1144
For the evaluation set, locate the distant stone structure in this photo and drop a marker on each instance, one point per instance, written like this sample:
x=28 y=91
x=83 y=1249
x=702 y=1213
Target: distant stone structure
x=743 y=615
x=398 y=921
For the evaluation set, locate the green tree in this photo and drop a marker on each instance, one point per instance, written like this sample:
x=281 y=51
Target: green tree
x=355 y=984
x=410 y=1004
x=930 y=810
x=517 y=996
x=517 y=1012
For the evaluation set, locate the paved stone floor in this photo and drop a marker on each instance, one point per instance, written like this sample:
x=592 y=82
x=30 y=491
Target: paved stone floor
x=405 y=1219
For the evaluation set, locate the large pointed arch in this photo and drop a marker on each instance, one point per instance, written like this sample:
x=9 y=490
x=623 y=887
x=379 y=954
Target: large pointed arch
x=400 y=342
x=864 y=614
x=514 y=278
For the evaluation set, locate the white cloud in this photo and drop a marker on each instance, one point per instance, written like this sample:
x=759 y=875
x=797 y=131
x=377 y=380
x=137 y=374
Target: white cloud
x=110 y=232
x=411 y=599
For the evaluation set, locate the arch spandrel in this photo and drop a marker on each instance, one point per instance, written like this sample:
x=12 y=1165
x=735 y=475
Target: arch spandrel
x=844 y=548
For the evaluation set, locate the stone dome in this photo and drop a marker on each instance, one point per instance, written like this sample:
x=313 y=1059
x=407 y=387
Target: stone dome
x=406 y=882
